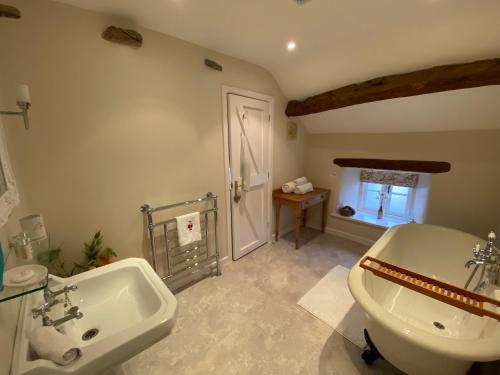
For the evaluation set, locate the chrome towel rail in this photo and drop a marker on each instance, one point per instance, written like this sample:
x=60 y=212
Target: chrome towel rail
x=189 y=259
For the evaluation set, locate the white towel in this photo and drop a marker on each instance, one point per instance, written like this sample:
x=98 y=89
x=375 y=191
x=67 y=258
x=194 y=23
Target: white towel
x=188 y=228
x=302 y=189
x=300 y=181
x=51 y=344
x=288 y=187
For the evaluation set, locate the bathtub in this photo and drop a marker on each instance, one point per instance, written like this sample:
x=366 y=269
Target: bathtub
x=400 y=322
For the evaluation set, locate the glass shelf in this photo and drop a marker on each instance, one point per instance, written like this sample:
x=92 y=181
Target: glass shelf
x=38 y=247
x=10 y=293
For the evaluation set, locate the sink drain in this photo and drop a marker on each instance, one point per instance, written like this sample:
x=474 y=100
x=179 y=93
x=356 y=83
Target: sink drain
x=90 y=334
x=439 y=325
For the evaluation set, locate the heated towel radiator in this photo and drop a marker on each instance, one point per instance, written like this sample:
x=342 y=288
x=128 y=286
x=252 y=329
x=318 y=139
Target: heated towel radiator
x=181 y=266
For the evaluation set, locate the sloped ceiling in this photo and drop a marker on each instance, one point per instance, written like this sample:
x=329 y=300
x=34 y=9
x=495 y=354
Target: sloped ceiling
x=470 y=109
x=338 y=41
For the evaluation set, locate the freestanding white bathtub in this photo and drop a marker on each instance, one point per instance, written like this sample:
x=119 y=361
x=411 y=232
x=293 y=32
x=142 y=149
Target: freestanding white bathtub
x=400 y=322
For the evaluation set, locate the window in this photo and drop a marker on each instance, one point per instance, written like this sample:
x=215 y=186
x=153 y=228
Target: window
x=396 y=200
x=405 y=196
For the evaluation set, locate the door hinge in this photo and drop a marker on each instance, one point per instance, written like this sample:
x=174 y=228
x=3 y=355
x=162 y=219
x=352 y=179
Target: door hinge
x=269 y=118
x=268 y=175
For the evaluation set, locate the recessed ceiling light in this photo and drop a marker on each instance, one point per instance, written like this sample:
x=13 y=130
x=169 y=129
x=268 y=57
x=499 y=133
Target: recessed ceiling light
x=291 y=45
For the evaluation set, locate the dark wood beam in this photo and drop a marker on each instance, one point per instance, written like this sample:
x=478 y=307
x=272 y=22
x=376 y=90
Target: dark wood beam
x=396 y=165
x=9 y=11
x=436 y=79
x=122 y=36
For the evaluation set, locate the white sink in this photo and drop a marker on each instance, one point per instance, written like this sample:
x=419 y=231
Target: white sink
x=126 y=301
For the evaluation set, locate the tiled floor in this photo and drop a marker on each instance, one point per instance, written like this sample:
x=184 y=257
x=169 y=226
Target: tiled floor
x=247 y=321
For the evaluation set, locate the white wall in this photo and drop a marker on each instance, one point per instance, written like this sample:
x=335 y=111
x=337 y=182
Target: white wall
x=9 y=310
x=114 y=127
x=472 y=109
x=8 y=316
x=465 y=198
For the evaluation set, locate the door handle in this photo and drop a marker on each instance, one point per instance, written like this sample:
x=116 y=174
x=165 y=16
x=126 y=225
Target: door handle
x=237 y=191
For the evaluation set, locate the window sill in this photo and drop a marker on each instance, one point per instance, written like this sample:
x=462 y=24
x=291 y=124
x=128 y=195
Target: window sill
x=371 y=220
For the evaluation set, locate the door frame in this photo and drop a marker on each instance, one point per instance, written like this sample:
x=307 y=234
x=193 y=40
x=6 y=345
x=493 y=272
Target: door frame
x=226 y=90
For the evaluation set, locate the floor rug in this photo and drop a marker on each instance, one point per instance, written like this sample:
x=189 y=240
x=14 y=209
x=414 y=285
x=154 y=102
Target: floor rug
x=330 y=301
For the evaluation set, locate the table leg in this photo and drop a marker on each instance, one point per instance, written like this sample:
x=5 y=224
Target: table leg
x=277 y=223
x=304 y=217
x=298 y=219
x=324 y=215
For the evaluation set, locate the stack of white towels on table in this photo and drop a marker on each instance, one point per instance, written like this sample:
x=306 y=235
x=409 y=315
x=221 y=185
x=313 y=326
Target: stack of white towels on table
x=297 y=186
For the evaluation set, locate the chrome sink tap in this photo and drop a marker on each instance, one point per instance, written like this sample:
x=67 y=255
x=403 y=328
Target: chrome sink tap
x=50 y=300
x=50 y=296
x=489 y=260
x=72 y=313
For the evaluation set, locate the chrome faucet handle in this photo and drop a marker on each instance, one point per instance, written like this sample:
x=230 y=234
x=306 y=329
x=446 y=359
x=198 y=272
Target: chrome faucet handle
x=74 y=311
x=492 y=237
x=50 y=295
x=42 y=311
x=490 y=249
x=67 y=289
x=476 y=250
x=71 y=288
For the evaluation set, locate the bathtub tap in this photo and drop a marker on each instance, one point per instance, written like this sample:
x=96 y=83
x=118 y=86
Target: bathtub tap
x=487 y=258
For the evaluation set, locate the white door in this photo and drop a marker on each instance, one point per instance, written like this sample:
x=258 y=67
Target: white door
x=249 y=132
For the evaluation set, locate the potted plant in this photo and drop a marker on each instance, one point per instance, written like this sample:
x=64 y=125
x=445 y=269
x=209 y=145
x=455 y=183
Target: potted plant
x=95 y=256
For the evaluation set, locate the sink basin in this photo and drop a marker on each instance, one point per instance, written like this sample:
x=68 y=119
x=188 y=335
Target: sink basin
x=125 y=302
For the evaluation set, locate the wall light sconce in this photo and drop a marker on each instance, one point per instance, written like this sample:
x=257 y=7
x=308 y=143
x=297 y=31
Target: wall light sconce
x=23 y=102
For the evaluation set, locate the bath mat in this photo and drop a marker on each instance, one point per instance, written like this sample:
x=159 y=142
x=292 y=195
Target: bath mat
x=330 y=301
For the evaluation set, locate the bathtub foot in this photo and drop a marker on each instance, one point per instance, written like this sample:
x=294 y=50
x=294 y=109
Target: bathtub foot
x=371 y=354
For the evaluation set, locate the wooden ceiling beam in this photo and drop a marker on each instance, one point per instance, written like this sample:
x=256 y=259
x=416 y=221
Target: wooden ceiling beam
x=436 y=79
x=423 y=166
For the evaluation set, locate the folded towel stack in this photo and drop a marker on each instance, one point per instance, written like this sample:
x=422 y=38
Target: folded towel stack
x=288 y=187
x=188 y=228
x=304 y=188
x=51 y=344
x=300 y=181
x=297 y=186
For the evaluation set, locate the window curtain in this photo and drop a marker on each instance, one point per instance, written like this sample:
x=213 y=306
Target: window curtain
x=389 y=178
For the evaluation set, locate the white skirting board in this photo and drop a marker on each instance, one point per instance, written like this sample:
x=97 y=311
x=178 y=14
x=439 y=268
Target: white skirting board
x=346 y=235
x=283 y=232
x=350 y=236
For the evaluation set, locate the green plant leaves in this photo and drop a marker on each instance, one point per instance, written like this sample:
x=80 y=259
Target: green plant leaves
x=95 y=256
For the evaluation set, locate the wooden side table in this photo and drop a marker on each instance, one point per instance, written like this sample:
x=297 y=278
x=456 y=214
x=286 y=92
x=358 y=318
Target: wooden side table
x=300 y=203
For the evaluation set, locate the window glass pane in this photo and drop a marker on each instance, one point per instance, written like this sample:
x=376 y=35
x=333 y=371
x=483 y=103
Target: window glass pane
x=397 y=205
x=371 y=200
x=400 y=190
x=372 y=186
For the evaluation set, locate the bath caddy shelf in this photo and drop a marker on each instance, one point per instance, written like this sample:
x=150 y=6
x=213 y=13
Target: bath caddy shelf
x=452 y=295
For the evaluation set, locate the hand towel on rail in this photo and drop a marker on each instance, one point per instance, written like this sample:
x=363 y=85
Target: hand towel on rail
x=188 y=228
x=302 y=189
x=288 y=187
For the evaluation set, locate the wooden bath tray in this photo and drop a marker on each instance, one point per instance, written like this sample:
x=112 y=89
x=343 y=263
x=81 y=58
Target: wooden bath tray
x=447 y=293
